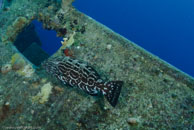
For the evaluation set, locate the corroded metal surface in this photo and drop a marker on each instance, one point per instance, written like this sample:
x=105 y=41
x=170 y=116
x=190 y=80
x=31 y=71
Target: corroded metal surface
x=154 y=95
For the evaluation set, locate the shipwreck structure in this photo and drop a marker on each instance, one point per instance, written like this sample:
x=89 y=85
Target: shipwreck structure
x=155 y=94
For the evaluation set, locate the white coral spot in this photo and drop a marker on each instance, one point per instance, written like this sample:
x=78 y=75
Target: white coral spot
x=27 y=71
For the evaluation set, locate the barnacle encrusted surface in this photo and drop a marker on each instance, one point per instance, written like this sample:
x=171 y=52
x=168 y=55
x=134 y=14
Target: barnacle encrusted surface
x=155 y=95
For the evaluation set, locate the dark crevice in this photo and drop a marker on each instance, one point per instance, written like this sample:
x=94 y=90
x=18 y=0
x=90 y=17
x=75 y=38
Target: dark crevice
x=32 y=44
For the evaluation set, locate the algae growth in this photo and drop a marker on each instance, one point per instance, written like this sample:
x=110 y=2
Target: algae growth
x=155 y=95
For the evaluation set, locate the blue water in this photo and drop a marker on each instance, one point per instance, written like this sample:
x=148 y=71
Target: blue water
x=50 y=42
x=163 y=27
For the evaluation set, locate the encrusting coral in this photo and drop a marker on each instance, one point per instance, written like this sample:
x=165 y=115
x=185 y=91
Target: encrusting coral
x=5 y=68
x=66 y=3
x=68 y=42
x=17 y=61
x=43 y=95
x=27 y=71
x=14 y=29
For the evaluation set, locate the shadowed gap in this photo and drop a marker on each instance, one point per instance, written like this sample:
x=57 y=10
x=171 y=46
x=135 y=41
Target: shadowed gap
x=37 y=44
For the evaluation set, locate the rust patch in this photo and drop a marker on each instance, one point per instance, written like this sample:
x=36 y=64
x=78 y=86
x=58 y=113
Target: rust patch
x=6 y=111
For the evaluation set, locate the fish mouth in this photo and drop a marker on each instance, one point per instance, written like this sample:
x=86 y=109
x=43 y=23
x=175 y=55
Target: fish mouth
x=44 y=64
x=49 y=66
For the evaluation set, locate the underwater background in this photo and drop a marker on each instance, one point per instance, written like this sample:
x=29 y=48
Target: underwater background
x=45 y=45
x=163 y=27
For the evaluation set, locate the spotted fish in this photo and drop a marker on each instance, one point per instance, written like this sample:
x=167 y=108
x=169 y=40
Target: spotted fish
x=79 y=74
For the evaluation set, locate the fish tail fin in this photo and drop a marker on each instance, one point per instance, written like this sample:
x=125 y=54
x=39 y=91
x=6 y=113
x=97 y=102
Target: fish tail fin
x=113 y=91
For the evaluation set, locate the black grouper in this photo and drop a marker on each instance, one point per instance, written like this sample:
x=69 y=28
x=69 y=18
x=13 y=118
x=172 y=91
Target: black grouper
x=77 y=73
